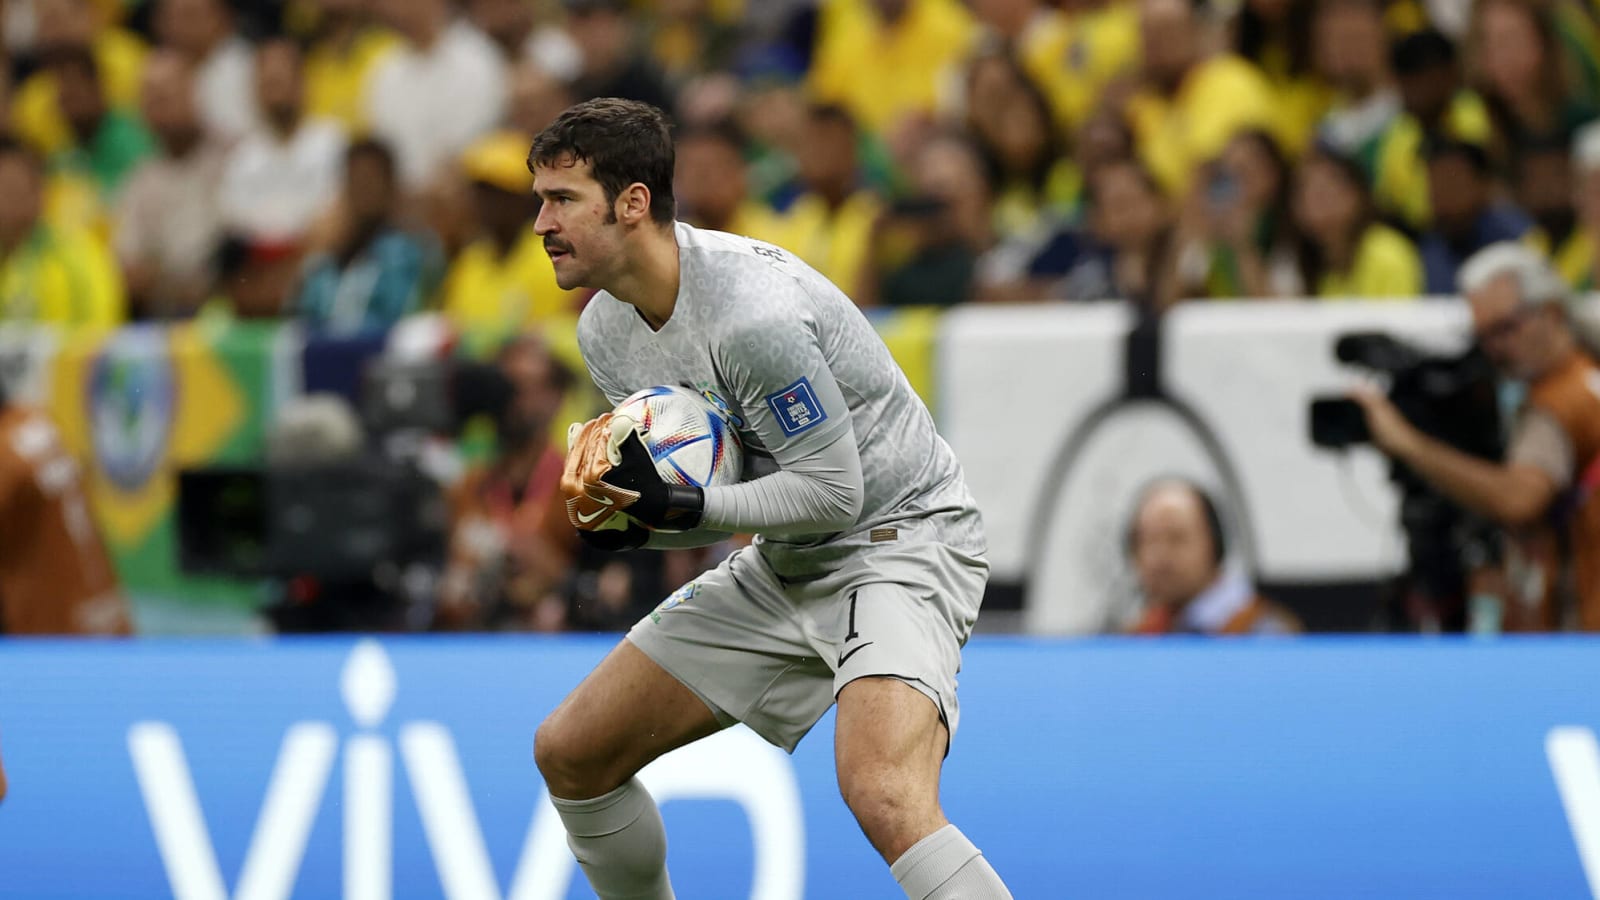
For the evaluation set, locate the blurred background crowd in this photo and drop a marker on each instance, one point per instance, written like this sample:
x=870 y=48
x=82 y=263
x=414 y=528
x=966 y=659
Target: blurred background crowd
x=354 y=164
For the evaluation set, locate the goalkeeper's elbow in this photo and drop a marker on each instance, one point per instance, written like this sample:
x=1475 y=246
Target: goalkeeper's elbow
x=844 y=505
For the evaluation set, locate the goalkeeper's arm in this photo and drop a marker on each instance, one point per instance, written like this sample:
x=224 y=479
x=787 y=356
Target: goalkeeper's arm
x=818 y=493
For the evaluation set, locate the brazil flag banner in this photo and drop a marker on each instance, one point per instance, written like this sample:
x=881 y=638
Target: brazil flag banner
x=139 y=404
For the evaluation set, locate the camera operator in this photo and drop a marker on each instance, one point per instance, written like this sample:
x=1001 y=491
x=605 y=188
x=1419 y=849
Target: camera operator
x=510 y=544
x=1521 y=323
x=55 y=575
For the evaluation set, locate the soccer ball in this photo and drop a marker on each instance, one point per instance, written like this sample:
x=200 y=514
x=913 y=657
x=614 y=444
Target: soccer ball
x=690 y=438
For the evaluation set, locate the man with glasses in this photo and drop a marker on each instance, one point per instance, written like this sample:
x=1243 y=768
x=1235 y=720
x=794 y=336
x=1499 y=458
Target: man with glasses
x=1552 y=462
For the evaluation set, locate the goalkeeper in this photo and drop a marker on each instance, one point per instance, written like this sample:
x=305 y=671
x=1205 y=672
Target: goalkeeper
x=868 y=569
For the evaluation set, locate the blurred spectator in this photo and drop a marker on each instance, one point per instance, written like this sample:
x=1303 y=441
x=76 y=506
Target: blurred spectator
x=536 y=98
x=1131 y=247
x=1037 y=184
x=882 y=59
x=106 y=143
x=926 y=246
x=1239 y=241
x=830 y=225
x=283 y=174
x=342 y=54
x=49 y=274
x=74 y=24
x=1352 y=55
x=513 y=27
x=1009 y=118
x=1466 y=217
x=503 y=282
x=168 y=220
x=373 y=272
x=1436 y=107
x=510 y=542
x=1527 y=73
x=1277 y=36
x=1546 y=188
x=709 y=185
x=1189 y=105
x=689 y=38
x=202 y=30
x=55 y=575
x=1344 y=252
x=431 y=98
x=1520 y=320
x=1179 y=552
x=614 y=63
x=1104 y=139
x=1072 y=53
x=1579 y=269
x=772 y=111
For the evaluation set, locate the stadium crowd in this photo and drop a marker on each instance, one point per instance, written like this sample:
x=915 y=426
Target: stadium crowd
x=352 y=163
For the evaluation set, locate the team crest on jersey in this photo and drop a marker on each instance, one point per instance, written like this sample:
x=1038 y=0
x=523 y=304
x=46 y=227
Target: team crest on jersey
x=676 y=599
x=719 y=403
x=796 y=408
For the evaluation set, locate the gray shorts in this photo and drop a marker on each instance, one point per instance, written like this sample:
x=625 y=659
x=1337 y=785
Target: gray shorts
x=773 y=653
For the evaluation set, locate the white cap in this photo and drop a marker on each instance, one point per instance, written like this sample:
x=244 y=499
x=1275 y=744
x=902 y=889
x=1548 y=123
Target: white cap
x=1537 y=283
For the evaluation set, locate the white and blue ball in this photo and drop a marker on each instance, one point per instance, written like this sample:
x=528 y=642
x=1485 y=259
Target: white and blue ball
x=691 y=439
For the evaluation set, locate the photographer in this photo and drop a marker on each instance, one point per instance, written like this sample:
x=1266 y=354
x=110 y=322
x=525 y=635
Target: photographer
x=510 y=545
x=1520 y=322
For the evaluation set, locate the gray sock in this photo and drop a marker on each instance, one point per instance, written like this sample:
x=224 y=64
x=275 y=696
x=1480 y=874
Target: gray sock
x=946 y=866
x=619 y=840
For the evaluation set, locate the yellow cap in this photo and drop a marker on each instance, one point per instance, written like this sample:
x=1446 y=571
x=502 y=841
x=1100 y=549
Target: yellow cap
x=500 y=159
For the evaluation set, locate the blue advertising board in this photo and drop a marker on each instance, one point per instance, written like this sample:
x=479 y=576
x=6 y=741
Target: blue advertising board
x=403 y=767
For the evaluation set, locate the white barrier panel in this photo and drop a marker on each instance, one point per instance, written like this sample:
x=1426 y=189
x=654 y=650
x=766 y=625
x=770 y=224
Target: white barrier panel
x=1048 y=415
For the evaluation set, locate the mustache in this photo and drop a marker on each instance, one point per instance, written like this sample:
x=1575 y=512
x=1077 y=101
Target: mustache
x=560 y=246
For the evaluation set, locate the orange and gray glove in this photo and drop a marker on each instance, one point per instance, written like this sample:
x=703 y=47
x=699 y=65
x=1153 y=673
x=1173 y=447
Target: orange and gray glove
x=612 y=487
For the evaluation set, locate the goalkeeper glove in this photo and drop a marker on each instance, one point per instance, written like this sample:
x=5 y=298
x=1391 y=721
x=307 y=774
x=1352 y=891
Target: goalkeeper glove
x=609 y=471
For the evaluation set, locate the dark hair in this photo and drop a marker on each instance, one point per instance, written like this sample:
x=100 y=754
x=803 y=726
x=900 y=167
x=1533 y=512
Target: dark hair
x=1253 y=34
x=374 y=148
x=624 y=142
x=561 y=375
x=722 y=131
x=1474 y=155
x=1313 y=262
x=1208 y=509
x=833 y=114
x=1557 y=70
x=1050 y=153
x=1140 y=170
x=1557 y=143
x=71 y=57
x=12 y=147
x=1421 y=51
x=1280 y=207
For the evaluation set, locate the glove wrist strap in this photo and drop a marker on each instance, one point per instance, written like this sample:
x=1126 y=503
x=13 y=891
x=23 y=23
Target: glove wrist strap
x=686 y=505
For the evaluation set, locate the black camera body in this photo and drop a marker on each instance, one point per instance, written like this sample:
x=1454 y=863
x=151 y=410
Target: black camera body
x=341 y=519
x=1453 y=399
x=337 y=522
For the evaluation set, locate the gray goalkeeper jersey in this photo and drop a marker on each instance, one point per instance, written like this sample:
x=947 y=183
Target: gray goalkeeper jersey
x=795 y=363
